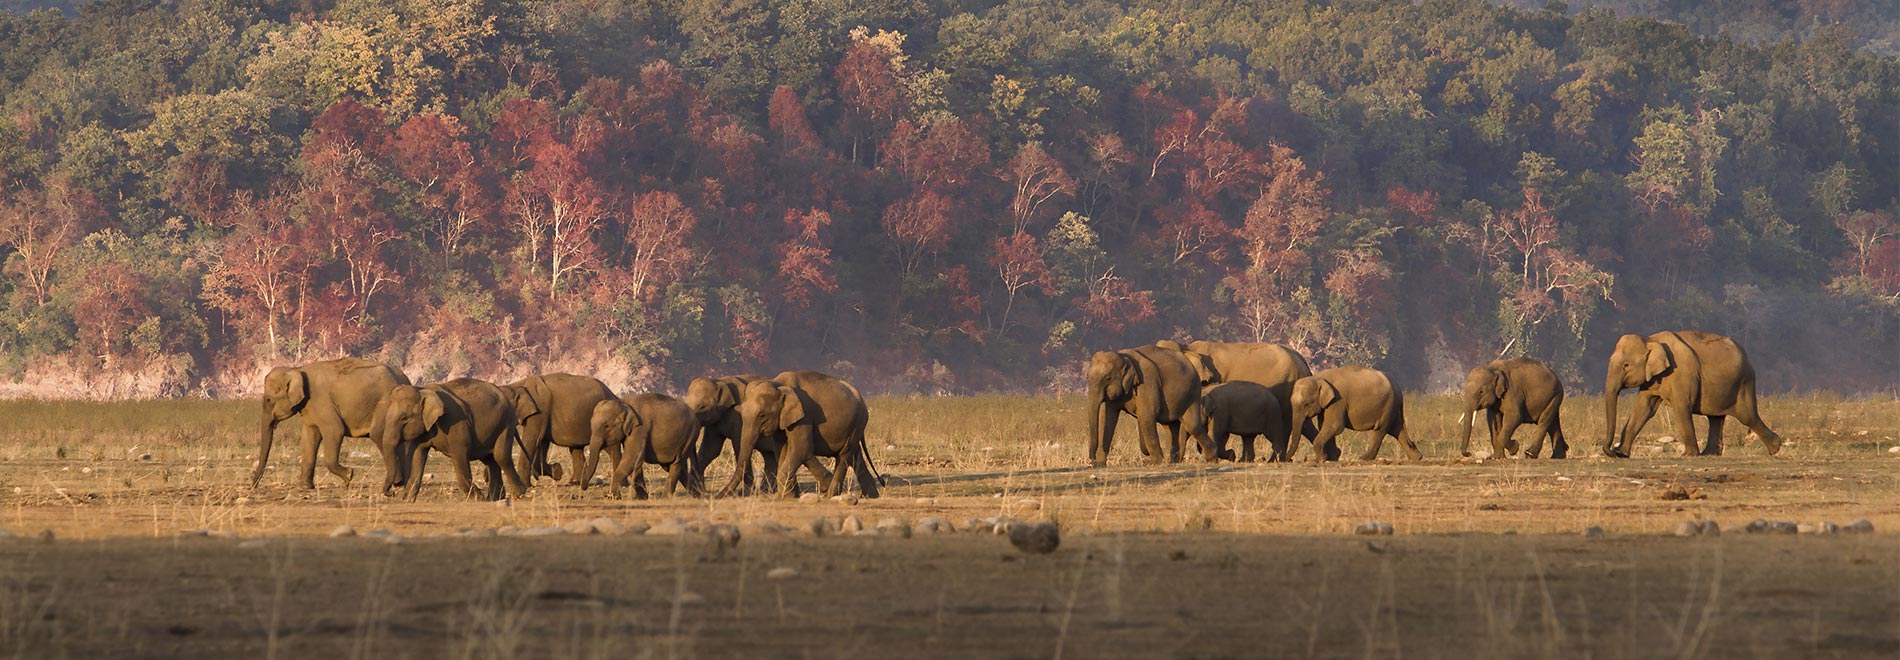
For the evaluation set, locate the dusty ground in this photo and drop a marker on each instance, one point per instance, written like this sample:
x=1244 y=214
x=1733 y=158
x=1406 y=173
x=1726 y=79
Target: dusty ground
x=1158 y=561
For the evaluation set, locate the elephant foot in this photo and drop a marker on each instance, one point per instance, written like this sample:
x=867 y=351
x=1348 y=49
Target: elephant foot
x=1613 y=453
x=1098 y=463
x=1715 y=452
x=555 y=471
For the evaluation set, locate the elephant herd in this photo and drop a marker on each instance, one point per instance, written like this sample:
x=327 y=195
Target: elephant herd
x=791 y=421
x=1209 y=391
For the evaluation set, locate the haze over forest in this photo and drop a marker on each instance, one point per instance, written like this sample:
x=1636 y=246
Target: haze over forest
x=928 y=196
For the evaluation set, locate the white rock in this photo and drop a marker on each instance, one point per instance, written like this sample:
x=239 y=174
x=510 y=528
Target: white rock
x=810 y=497
x=673 y=527
x=893 y=527
x=1805 y=528
x=608 y=526
x=1709 y=528
x=1826 y=528
x=581 y=527
x=342 y=531
x=1689 y=528
x=1783 y=527
x=1756 y=526
x=541 y=531
x=1374 y=528
x=851 y=525
x=847 y=499
x=767 y=527
x=926 y=501
x=1005 y=525
x=935 y=525
x=1038 y=539
x=1029 y=505
x=821 y=526
x=394 y=539
x=1862 y=526
x=781 y=573
x=1894 y=449
x=478 y=532
x=724 y=536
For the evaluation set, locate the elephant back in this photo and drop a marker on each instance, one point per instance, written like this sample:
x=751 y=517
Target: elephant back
x=1271 y=365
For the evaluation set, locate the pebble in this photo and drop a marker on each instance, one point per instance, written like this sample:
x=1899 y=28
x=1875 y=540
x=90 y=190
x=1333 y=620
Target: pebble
x=47 y=535
x=1756 y=526
x=851 y=525
x=1783 y=527
x=609 y=527
x=821 y=526
x=145 y=457
x=1029 y=505
x=893 y=527
x=378 y=532
x=1862 y=526
x=1893 y=450
x=847 y=499
x=1038 y=539
x=926 y=501
x=478 y=532
x=1709 y=528
x=1689 y=528
x=935 y=525
x=580 y=527
x=810 y=497
x=503 y=504
x=673 y=527
x=724 y=536
x=1006 y=525
x=342 y=531
x=781 y=573
x=1593 y=532
x=1373 y=528
x=394 y=539
x=540 y=531
x=767 y=527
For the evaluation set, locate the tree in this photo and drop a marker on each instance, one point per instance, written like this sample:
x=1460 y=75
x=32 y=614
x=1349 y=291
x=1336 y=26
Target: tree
x=1036 y=178
x=919 y=225
x=261 y=266
x=869 y=83
x=1018 y=262
x=39 y=226
x=804 y=261
x=557 y=206
x=432 y=152
x=657 y=226
x=1540 y=277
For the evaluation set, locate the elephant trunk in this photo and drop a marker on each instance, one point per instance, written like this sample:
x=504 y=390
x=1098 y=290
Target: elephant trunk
x=267 y=430
x=1612 y=386
x=1102 y=421
x=1465 y=422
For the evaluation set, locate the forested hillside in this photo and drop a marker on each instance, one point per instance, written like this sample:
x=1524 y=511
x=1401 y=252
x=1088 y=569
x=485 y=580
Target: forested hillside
x=1870 y=25
x=925 y=195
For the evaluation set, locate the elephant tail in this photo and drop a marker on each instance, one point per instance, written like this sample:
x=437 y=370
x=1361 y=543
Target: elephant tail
x=865 y=451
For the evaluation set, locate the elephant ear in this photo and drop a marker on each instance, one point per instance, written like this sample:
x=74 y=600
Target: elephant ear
x=793 y=410
x=297 y=387
x=1204 y=366
x=1326 y=392
x=1499 y=381
x=525 y=405
x=629 y=418
x=728 y=392
x=1130 y=374
x=434 y=405
x=1659 y=362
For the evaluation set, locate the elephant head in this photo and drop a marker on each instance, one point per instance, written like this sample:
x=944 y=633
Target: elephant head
x=711 y=399
x=1484 y=390
x=525 y=397
x=286 y=390
x=767 y=409
x=1637 y=362
x=1310 y=397
x=407 y=412
x=613 y=421
x=1113 y=378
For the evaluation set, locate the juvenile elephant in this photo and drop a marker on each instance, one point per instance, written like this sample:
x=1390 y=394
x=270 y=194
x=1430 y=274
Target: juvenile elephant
x=1356 y=398
x=1248 y=410
x=806 y=414
x=1694 y=373
x=466 y=419
x=1158 y=386
x=1513 y=392
x=337 y=399
x=1272 y=365
x=557 y=409
x=649 y=428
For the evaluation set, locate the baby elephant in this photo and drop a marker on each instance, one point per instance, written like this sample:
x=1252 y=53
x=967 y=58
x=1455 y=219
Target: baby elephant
x=1248 y=410
x=654 y=428
x=468 y=419
x=1513 y=392
x=1354 y=398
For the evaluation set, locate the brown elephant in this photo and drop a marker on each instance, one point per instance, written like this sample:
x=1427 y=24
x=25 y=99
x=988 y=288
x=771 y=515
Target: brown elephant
x=337 y=399
x=1157 y=385
x=466 y=419
x=715 y=402
x=1272 y=365
x=649 y=428
x=1248 y=410
x=1356 y=398
x=1512 y=392
x=806 y=414
x=557 y=409
x=1694 y=373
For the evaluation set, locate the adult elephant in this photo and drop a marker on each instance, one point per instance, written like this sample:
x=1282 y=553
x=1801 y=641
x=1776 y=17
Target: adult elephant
x=1273 y=366
x=649 y=428
x=557 y=409
x=465 y=419
x=337 y=399
x=1693 y=373
x=1512 y=392
x=1356 y=398
x=806 y=414
x=1157 y=385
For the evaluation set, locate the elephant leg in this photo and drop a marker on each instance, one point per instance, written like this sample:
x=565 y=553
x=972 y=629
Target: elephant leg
x=823 y=477
x=417 y=463
x=1645 y=408
x=504 y=454
x=1749 y=415
x=497 y=491
x=1507 y=433
x=1376 y=441
x=1150 y=439
x=861 y=465
x=1405 y=441
x=1174 y=442
x=1714 y=446
x=673 y=473
x=639 y=476
x=584 y=471
x=1324 y=443
x=575 y=459
x=796 y=452
x=629 y=463
x=333 y=457
x=1685 y=428
x=308 y=442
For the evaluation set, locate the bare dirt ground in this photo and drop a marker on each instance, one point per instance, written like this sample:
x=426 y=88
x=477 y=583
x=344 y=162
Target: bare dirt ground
x=1183 y=561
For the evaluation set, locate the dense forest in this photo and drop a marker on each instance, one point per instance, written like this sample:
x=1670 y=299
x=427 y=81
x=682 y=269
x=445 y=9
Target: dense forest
x=926 y=195
x=1873 y=25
